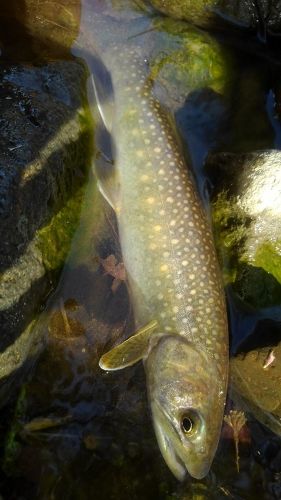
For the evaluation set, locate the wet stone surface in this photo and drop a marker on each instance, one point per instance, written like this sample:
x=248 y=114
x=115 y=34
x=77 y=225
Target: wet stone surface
x=43 y=165
x=247 y=215
x=38 y=31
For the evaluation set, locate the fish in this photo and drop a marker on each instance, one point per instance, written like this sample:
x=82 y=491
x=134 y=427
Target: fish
x=171 y=266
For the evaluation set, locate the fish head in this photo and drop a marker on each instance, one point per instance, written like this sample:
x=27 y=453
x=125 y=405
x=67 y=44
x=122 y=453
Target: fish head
x=187 y=399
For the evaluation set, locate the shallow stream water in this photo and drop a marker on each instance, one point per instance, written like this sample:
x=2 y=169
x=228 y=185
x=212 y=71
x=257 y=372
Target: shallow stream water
x=93 y=437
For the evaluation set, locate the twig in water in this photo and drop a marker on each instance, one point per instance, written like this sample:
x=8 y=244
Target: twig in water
x=236 y=420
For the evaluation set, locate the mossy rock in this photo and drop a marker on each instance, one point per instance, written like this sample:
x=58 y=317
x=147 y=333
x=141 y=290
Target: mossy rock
x=246 y=214
x=268 y=256
x=48 y=117
x=54 y=240
x=185 y=59
x=198 y=12
x=241 y=13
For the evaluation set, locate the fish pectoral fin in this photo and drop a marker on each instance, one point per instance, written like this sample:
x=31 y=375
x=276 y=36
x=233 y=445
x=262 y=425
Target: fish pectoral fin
x=130 y=351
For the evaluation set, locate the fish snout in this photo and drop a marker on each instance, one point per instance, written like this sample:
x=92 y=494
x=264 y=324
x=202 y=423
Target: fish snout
x=199 y=469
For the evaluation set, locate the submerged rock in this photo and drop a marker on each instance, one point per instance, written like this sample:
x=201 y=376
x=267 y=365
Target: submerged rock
x=256 y=378
x=199 y=12
x=246 y=210
x=45 y=137
x=184 y=60
x=32 y=30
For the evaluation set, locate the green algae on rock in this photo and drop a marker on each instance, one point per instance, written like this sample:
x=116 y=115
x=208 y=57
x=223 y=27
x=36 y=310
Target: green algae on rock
x=54 y=240
x=268 y=256
x=265 y=16
x=185 y=59
x=12 y=445
x=198 y=12
x=230 y=230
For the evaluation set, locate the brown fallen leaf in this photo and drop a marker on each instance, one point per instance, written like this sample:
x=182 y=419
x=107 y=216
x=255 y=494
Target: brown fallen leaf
x=236 y=420
x=40 y=423
x=117 y=271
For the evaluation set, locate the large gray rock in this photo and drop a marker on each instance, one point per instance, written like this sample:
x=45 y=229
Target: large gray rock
x=44 y=153
x=32 y=30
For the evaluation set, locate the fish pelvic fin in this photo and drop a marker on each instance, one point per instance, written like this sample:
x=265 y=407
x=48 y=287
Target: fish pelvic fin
x=103 y=92
x=131 y=350
x=103 y=96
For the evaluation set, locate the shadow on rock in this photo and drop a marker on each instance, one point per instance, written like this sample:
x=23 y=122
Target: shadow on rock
x=46 y=151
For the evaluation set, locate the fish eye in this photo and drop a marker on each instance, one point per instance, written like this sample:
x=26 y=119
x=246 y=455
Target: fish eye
x=187 y=425
x=189 y=422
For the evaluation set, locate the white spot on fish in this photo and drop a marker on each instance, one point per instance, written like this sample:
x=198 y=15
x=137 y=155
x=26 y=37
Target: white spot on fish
x=144 y=178
x=150 y=200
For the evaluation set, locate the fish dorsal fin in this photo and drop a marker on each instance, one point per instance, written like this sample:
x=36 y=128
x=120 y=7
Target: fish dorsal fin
x=103 y=92
x=130 y=351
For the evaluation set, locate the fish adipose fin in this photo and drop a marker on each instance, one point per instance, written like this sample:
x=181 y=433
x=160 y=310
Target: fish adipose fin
x=130 y=351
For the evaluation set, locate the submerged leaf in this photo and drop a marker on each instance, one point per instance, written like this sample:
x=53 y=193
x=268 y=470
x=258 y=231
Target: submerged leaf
x=62 y=326
x=117 y=271
x=40 y=423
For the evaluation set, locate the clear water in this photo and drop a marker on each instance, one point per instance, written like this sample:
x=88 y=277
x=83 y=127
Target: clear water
x=106 y=447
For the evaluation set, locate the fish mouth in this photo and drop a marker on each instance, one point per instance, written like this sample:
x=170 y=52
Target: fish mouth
x=197 y=469
x=173 y=461
x=179 y=468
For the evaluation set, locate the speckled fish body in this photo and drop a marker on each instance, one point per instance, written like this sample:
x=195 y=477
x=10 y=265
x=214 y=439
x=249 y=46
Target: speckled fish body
x=172 y=270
